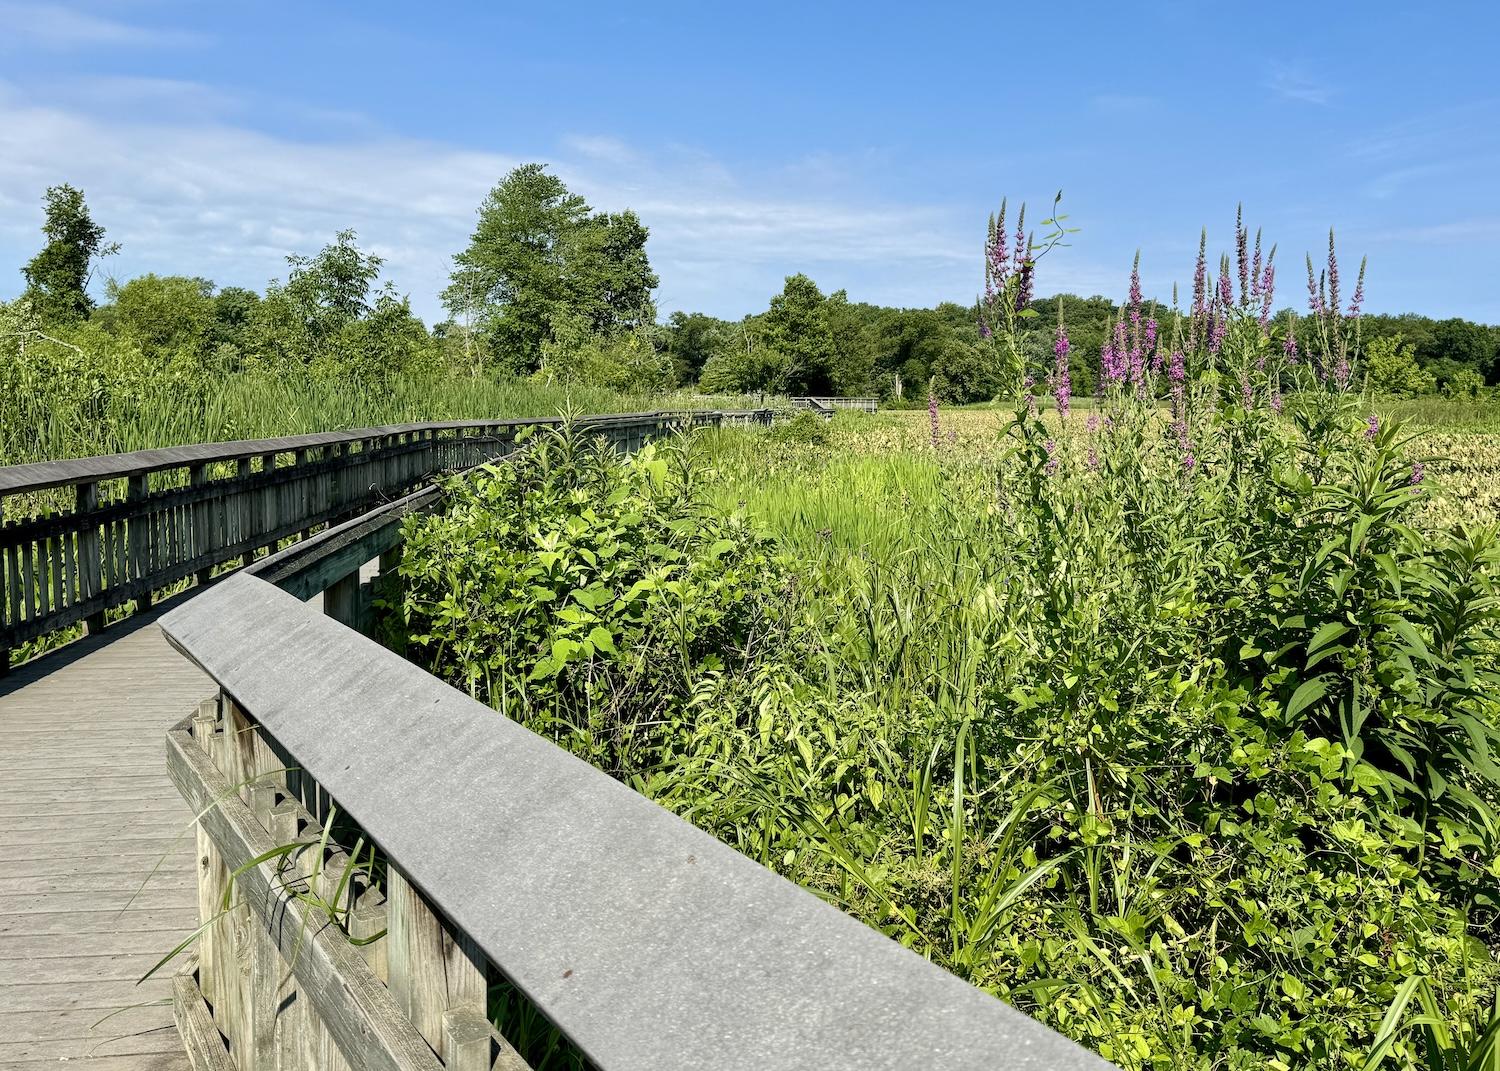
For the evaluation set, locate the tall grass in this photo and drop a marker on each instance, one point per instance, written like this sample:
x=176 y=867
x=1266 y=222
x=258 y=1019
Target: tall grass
x=45 y=424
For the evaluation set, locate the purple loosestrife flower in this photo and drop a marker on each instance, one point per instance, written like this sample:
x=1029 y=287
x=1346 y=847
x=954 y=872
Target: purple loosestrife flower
x=1027 y=273
x=1177 y=374
x=1255 y=271
x=1177 y=367
x=1372 y=427
x=1267 y=294
x=1418 y=473
x=1092 y=423
x=984 y=330
x=1314 y=293
x=1216 y=333
x=1112 y=358
x=998 y=253
x=1052 y=459
x=1333 y=276
x=1341 y=373
x=1199 y=312
x=1135 y=289
x=1289 y=345
x=1276 y=402
x=1026 y=384
x=1226 y=288
x=1247 y=396
x=1359 y=293
x=1062 y=381
x=1241 y=253
x=1189 y=462
x=1093 y=460
x=1021 y=248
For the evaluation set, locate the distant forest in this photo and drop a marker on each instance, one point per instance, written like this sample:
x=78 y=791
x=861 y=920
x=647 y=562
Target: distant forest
x=551 y=290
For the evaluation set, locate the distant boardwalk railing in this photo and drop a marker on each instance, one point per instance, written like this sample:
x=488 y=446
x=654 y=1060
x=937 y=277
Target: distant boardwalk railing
x=140 y=523
x=820 y=404
x=397 y=851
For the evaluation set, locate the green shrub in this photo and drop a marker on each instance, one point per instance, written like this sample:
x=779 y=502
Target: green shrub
x=807 y=428
x=586 y=593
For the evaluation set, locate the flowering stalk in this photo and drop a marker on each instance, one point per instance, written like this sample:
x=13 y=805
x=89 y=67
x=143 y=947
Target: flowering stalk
x=1062 y=381
x=1009 y=282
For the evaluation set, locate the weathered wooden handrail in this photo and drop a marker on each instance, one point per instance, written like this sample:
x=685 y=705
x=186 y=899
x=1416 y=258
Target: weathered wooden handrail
x=647 y=942
x=820 y=402
x=143 y=522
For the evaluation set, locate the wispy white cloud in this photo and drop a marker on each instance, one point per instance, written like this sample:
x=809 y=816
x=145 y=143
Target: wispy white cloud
x=55 y=26
x=205 y=194
x=1291 y=84
x=1388 y=184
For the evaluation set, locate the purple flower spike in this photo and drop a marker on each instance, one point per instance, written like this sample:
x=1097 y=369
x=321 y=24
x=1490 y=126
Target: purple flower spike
x=1418 y=473
x=1242 y=253
x=1333 y=276
x=1062 y=381
x=1372 y=427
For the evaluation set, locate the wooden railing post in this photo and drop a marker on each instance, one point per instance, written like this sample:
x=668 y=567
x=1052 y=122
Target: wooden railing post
x=341 y=600
x=200 y=539
x=139 y=541
x=90 y=567
x=437 y=978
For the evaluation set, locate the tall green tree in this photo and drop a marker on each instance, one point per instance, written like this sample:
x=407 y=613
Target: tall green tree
x=692 y=338
x=608 y=275
x=796 y=327
x=57 y=278
x=329 y=313
x=539 y=256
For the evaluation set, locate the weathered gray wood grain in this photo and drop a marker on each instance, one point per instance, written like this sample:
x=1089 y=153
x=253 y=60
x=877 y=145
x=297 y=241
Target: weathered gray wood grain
x=355 y=1006
x=650 y=943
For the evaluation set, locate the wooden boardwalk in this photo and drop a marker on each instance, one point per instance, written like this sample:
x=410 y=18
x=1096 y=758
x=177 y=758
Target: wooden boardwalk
x=86 y=814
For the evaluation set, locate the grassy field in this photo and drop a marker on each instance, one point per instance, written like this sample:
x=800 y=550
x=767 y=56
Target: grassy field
x=1188 y=754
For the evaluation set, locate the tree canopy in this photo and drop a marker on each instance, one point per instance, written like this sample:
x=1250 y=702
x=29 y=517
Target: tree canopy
x=539 y=254
x=57 y=278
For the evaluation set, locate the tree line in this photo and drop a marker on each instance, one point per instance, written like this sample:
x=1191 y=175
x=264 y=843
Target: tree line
x=549 y=288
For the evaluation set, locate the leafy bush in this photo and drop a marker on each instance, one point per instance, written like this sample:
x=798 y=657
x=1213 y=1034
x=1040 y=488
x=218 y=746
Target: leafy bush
x=806 y=427
x=584 y=592
x=1392 y=369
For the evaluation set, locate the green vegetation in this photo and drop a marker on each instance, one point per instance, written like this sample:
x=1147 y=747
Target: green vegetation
x=1180 y=766
x=1176 y=726
x=171 y=359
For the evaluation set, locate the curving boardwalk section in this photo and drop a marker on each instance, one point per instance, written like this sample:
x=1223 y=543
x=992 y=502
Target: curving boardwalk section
x=86 y=813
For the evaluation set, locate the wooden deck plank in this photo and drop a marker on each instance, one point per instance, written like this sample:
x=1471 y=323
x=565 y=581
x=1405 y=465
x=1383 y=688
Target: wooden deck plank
x=96 y=853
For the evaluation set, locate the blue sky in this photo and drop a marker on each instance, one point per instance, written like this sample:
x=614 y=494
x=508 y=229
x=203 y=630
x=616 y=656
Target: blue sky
x=863 y=144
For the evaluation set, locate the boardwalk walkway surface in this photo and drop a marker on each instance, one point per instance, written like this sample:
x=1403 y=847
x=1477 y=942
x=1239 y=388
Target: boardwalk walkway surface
x=86 y=813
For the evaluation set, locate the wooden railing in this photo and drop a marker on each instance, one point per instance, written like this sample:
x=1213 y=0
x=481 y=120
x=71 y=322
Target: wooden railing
x=134 y=525
x=864 y=405
x=395 y=852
